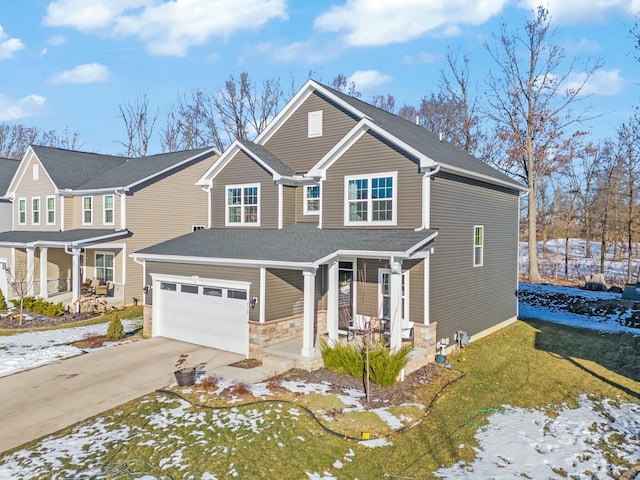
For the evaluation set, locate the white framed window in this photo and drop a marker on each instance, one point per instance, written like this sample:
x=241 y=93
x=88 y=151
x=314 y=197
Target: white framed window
x=371 y=199
x=35 y=211
x=107 y=203
x=36 y=172
x=105 y=270
x=51 y=210
x=478 y=245
x=311 y=200
x=243 y=205
x=87 y=210
x=314 y=127
x=384 y=295
x=22 y=211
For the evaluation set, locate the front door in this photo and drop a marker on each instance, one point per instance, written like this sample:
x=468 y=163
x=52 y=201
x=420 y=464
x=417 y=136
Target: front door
x=345 y=295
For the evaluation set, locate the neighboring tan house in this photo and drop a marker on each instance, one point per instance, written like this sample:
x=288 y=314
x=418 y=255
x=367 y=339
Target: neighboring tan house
x=77 y=216
x=8 y=169
x=337 y=210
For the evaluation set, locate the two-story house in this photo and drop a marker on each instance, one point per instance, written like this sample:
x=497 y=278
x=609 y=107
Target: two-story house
x=8 y=169
x=77 y=216
x=339 y=209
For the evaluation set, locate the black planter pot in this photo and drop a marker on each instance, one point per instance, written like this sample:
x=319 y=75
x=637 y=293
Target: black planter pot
x=185 y=378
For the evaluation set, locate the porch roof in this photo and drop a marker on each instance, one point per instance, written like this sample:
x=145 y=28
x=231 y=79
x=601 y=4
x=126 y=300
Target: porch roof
x=72 y=238
x=295 y=246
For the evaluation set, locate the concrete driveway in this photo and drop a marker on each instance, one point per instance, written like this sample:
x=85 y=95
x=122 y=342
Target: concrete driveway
x=43 y=400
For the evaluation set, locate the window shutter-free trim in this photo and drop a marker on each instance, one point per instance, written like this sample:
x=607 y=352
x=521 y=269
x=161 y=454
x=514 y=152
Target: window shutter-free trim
x=314 y=124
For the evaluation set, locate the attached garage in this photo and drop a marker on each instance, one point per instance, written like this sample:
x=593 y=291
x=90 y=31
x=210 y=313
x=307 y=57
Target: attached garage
x=209 y=312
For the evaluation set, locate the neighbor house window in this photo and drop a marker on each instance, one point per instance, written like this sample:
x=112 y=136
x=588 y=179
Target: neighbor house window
x=478 y=245
x=22 y=211
x=87 y=210
x=51 y=210
x=35 y=210
x=108 y=209
x=36 y=171
x=104 y=267
x=384 y=283
x=371 y=199
x=314 y=124
x=312 y=199
x=243 y=205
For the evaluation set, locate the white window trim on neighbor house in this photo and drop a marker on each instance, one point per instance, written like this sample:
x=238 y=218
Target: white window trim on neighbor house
x=478 y=245
x=104 y=268
x=22 y=211
x=36 y=172
x=36 y=208
x=51 y=212
x=242 y=205
x=386 y=272
x=369 y=200
x=308 y=200
x=314 y=124
x=106 y=210
x=87 y=210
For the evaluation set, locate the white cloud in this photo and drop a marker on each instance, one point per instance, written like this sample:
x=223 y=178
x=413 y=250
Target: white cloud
x=420 y=58
x=365 y=79
x=87 y=73
x=57 y=40
x=15 y=109
x=583 y=12
x=381 y=22
x=166 y=27
x=603 y=82
x=8 y=46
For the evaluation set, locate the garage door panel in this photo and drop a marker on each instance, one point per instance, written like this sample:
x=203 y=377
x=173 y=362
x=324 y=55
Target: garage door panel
x=214 y=321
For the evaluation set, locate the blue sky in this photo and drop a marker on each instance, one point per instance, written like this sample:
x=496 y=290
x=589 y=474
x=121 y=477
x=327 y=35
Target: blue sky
x=71 y=63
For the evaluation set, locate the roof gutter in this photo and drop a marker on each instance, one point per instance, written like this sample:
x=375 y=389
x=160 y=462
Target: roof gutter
x=484 y=178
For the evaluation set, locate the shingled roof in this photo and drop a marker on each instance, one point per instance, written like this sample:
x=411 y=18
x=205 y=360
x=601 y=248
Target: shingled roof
x=8 y=168
x=269 y=158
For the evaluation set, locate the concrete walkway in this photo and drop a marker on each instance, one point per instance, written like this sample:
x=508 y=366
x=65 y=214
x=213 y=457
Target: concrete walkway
x=43 y=400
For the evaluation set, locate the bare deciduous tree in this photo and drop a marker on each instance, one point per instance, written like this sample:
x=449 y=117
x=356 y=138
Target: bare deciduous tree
x=530 y=102
x=15 y=139
x=138 y=123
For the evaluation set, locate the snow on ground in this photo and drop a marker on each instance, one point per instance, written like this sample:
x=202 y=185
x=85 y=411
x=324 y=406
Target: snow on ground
x=23 y=351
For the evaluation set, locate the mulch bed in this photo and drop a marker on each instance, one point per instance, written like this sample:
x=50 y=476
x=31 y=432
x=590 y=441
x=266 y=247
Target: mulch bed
x=401 y=392
x=37 y=320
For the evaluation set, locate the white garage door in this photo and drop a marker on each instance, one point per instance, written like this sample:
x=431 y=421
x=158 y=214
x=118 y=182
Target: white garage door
x=212 y=315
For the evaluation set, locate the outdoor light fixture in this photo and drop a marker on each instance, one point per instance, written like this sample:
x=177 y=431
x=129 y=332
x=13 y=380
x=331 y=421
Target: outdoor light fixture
x=146 y=289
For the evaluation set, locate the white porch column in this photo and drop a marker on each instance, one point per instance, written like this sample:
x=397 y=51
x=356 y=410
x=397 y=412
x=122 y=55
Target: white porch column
x=44 y=273
x=332 y=303
x=308 y=331
x=75 y=273
x=395 y=304
x=31 y=272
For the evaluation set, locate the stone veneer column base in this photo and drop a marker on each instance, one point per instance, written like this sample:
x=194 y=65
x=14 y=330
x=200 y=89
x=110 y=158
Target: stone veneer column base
x=146 y=321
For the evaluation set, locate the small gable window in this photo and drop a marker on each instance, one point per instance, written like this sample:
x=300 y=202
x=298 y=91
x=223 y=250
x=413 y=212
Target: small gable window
x=243 y=205
x=312 y=199
x=315 y=124
x=36 y=171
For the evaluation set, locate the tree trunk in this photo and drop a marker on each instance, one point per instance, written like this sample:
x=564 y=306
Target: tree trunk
x=534 y=275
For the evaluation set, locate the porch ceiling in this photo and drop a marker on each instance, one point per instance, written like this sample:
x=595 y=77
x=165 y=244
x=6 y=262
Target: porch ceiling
x=78 y=237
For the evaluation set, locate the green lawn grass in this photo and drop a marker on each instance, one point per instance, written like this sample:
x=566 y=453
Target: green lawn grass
x=528 y=364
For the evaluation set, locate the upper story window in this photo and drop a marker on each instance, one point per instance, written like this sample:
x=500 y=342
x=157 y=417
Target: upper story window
x=371 y=199
x=51 y=210
x=314 y=124
x=243 y=205
x=311 y=200
x=478 y=245
x=35 y=210
x=22 y=211
x=87 y=210
x=36 y=171
x=108 y=210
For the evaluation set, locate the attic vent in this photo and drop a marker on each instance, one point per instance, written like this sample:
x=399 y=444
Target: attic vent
x=315 y=124
x=36 y=171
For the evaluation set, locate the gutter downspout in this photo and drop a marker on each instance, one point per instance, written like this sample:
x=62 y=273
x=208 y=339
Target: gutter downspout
x=426 y=198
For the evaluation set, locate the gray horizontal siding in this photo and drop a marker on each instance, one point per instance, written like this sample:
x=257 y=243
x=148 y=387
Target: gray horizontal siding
x=372 y=155
x=240 y=274
x=291 y=143
x=285 y=294
x=464 y=297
